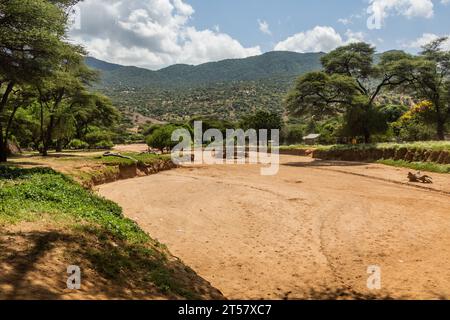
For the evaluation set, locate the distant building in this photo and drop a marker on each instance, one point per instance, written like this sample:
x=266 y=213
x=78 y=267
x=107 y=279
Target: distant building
x=312 y=138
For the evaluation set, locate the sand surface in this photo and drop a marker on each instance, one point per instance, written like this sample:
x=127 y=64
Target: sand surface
x=309 y=232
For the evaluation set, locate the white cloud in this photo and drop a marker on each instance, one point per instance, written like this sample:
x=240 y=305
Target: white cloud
x=381 y=9
x=425 y=39
x=151 y=34
x=264 y=27
x=318 y=39
x=445 y=2
x=354 y=36
x=345 y=21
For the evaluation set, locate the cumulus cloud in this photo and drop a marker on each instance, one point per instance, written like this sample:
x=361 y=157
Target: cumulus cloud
x=381 y=9
x=425 y=39
x=264 y=27
x=151 y=34
x=318 y=39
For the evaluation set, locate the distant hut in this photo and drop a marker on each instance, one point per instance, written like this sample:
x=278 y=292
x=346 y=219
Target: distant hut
x=312 y=138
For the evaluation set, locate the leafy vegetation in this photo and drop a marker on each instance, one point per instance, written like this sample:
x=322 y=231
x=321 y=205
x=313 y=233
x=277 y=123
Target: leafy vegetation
x=46 y=98
x=141 y=159
x=419 y=166
x=161 y=138
x=36 y=194
x=352 y=82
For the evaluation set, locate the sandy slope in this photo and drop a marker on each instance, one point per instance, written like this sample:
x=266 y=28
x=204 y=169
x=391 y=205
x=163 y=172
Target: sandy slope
x=310 y=231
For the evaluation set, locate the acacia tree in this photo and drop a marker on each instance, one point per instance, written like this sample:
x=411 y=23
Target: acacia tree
x=31 y=31
x=59 y=94
x=427 y=76
x=349 y=84
x=92 y=109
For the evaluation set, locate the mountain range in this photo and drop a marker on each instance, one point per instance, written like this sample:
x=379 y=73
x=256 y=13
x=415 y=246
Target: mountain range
x=269 y=65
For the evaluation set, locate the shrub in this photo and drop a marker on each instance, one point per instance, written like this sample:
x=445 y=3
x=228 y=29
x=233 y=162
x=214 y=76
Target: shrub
x=105 y=144
x=77 y=144
x=161 y=138
x=292 y=134
x=97 y=136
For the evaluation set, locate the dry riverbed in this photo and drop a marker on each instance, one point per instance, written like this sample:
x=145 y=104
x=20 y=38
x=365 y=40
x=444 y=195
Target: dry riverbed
x=309 y=232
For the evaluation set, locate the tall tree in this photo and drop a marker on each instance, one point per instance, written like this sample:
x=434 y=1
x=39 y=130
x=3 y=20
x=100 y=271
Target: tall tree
x=31 y=31
x=428 y=77
x=350 y=83
x=59 y=94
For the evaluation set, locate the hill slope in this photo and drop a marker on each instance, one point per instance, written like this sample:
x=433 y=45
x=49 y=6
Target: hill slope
x=266 y=66
x=226 y=89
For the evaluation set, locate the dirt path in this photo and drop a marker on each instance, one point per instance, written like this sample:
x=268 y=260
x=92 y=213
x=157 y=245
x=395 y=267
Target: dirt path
x=310 y=231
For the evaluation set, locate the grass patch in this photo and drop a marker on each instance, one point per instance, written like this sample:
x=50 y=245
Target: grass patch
x=142 y=159
x=420 y=145
x=419 y=166
x=301 y=147
x=116 y=247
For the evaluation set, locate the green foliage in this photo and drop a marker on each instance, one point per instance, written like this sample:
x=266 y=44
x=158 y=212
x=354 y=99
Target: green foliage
x=104 y=145
x=98 y=137
x=161 y=138
x=44 y=81
x=414 y=125
x=115 y=246
x=262 y=120
x=142 y=159
x=329 y=130
x=420 y=166
x=393 y=112
x=76 y=144
x=211 y=123
x=350 y=85
x=319 y=94
x=361 y=120
x=427 y=77
x=32 y=192
x=292 y=134
x=225 y=90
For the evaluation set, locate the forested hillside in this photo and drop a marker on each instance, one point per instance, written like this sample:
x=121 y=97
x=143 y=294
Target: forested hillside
x=226 y=89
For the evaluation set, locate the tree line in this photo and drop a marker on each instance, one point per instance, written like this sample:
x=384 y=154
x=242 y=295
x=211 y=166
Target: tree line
x=46 y=99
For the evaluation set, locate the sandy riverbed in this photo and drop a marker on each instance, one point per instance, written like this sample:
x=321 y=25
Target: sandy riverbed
x=309 y=231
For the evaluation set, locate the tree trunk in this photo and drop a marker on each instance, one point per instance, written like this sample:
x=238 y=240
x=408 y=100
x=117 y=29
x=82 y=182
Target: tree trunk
x=367 y=136
x=3 y=147
x=59 y=145
x=42 y=128
x=440 y=130
x=440 y=122
x=4 y=140
x=48 y=136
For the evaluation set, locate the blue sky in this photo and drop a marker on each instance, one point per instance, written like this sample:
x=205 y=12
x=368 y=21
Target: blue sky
x=288 y=17
x=157 y=33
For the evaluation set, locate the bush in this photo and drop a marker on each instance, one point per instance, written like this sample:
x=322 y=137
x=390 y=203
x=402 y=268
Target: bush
x=76 y=144
x=292 y=134
x=415 y=125
x=105 y=144
x=161 y=138
x=97 y=136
